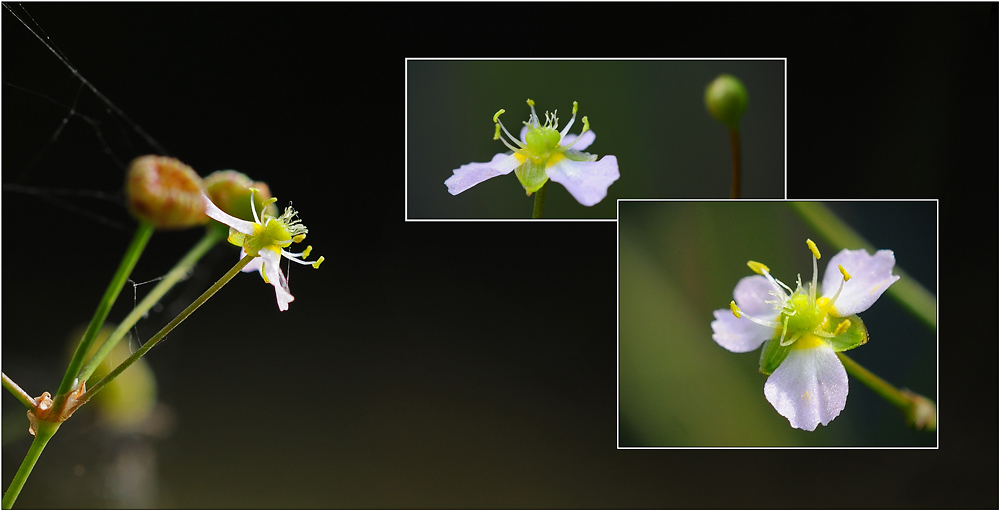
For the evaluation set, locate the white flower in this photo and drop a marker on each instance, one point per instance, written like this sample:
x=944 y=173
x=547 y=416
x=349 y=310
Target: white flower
x=542 y=153
x=266 y=240
x=807 y=382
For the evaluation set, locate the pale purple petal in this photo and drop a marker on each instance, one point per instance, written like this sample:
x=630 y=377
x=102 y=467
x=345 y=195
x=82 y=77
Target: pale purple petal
x=870 y=274
x=752 y=294
x=253 y=265
x=741 y=335
x=271 y=264
x=524 y=133
x=220 y=216
x=587 y=181
x=472 y=174
x=585 y=140
x=738 y=335
x=809 y=387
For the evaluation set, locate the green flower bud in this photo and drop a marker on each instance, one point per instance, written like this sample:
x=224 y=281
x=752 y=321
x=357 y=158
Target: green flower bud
x=726 y=99
x=165 y=192
x=230 y=191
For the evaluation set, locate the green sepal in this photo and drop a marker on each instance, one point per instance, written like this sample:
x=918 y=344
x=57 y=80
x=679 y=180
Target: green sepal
x=855 y=336
x=531 y=175
x=772 y=355
x=579 y=155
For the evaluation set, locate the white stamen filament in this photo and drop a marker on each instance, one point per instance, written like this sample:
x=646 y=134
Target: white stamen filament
x=516 y=141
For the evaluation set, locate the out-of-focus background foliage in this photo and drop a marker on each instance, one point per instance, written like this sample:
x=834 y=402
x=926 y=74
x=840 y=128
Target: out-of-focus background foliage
x=679 y=261
x=650 y=114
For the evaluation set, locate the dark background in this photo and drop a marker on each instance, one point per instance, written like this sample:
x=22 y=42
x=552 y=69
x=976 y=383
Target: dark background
x=453 y=364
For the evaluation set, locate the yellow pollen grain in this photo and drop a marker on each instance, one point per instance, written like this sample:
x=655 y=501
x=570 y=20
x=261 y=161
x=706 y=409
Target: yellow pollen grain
x=812 y=248
x=735 y=309
x=847 y=276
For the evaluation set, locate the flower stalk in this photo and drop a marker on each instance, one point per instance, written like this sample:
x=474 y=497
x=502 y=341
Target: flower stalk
x=734 y=143
x=132 y=253
x=212 y=237
x=913 y=406
x=18 y=392
x=45 y=431
x=536 y=212
x=153 y=341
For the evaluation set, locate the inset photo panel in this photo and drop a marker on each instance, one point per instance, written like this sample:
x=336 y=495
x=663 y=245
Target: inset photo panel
x=777 y=324
x=564 y=139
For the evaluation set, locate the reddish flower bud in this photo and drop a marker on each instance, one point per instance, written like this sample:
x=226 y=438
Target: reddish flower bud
x=165 y=192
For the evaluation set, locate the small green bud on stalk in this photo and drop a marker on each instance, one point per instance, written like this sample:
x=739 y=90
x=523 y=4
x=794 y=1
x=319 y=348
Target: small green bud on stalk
x=165 y=192
x=726 y=99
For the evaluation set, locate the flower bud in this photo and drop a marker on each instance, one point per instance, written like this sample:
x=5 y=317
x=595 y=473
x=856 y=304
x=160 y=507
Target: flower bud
x=230 y=191
x=165 y=192
x=726 y=99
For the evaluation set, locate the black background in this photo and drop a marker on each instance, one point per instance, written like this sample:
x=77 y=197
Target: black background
x=462 y=364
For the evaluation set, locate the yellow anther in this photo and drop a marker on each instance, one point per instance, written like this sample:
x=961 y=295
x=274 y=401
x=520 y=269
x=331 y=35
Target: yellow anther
x=736 y=310
x=812 y=247
x=318 y=262
x=254 y=190
x=497 y=115
x=496 y=134
x=531 y=103
x=757 y=267
x=842 y=327
x=575 y=106
x=847 y=276
x=268 y=202
x=305 y=253
x=299 y=238
x=586 y=125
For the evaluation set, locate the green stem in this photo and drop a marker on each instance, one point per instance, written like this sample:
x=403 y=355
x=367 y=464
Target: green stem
x=18 y=392
x=919 y=411
x=536 y=212
x=906 y=290
x=45 y=431
x=734 y=143
x=132 y=253
x=212 y=236
x=166 y=329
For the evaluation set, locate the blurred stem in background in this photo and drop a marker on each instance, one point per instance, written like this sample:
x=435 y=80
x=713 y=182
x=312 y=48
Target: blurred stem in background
x=920 y=412
x=913 y=296
x=536 y=212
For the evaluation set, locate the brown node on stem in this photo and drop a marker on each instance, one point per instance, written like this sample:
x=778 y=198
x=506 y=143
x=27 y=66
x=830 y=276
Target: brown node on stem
x=45 y=409
x=165 y=192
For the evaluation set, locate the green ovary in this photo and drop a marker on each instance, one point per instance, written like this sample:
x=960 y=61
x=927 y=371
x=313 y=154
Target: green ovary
x=540 y=141
x=274 y=234
x=806 y=317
